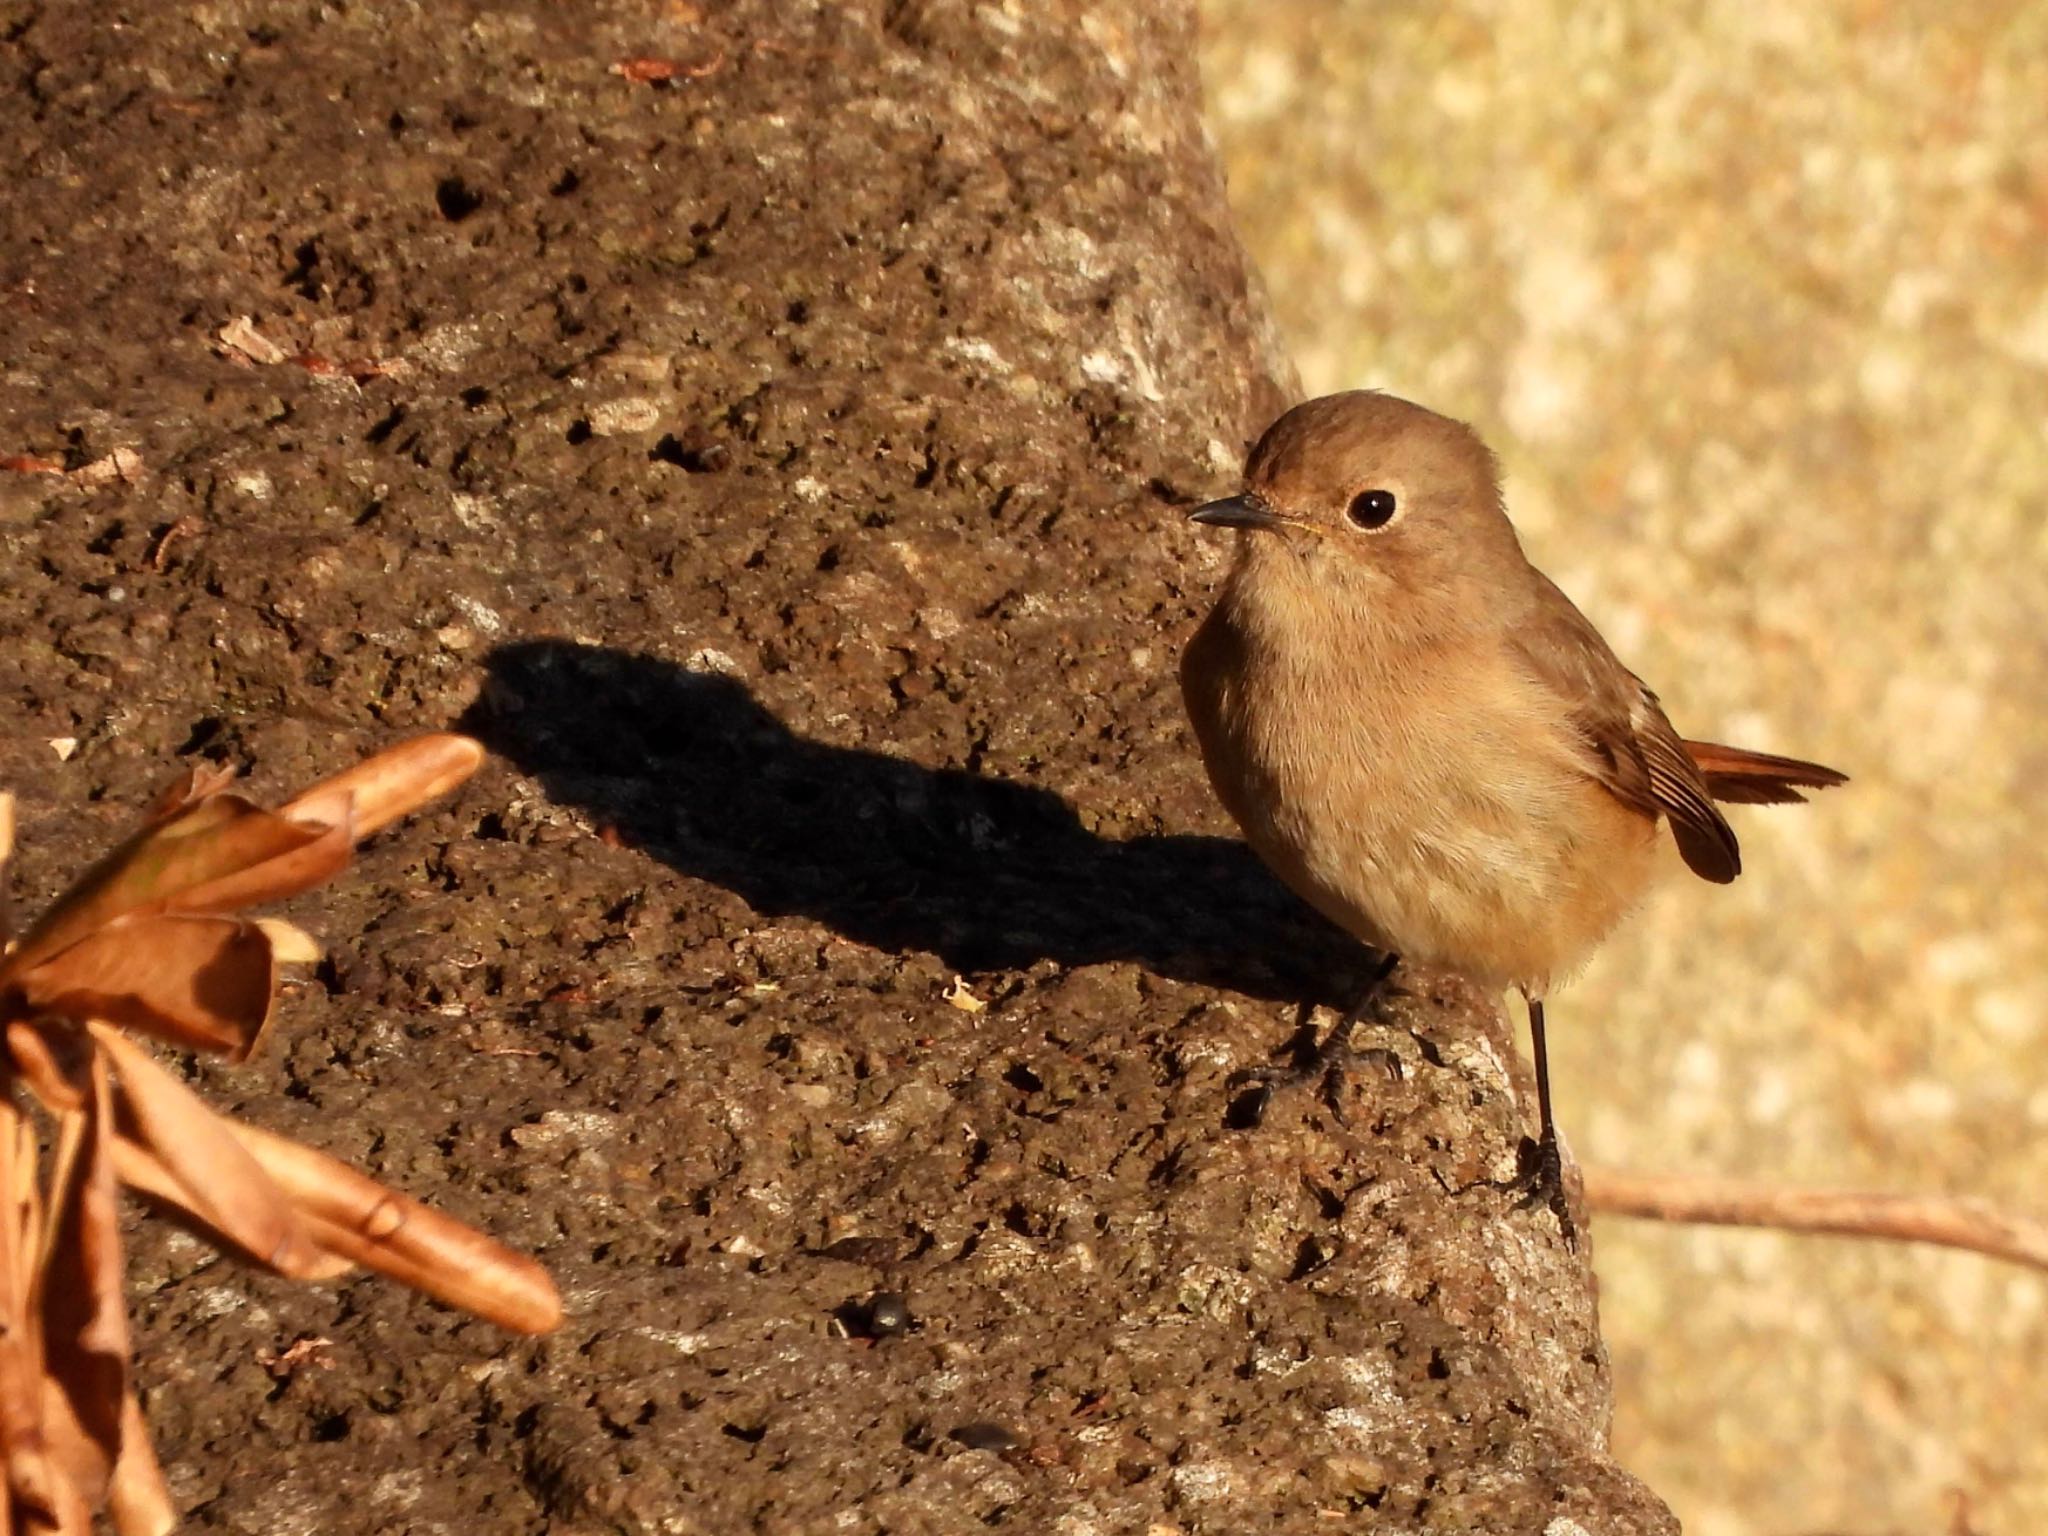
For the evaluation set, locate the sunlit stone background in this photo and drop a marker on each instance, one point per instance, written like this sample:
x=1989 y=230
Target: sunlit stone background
x=1753 y=300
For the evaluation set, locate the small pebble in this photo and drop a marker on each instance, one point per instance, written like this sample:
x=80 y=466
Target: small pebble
x=888 y=1314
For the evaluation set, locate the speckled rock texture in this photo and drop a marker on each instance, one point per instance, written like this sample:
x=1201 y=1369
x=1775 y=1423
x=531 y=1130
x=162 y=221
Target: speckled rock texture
x=768 y=426
x=1753 y=301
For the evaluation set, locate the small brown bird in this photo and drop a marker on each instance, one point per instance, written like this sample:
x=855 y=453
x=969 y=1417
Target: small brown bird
x=1418 y=731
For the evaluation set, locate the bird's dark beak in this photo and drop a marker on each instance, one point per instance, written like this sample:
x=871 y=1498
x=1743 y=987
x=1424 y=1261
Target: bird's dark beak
x=1236 y=512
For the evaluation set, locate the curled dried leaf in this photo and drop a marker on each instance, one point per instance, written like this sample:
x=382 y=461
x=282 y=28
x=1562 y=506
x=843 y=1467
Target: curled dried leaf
x=33 y=1496
x=389 y=784
x=215 y=854
x=6 y=854
x=201 y=982
x=206 y=1172
x=242 y=855
x=49 y=1061
x=143 y=1173
x=79 y=1302
x=193 y=785
x=145 y=940
x=137 y=1497
x=351 y=1214
x=21 y=1205
x=122 y=464
x=289 y=943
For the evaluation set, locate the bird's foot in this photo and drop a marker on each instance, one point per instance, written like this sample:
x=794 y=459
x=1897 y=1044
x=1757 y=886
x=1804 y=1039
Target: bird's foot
x=1540 y=1181
x=1317 y=1064
x=1322 y=1076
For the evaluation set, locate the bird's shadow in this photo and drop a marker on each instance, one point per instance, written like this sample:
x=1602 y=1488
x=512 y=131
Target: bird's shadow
x=985 y=873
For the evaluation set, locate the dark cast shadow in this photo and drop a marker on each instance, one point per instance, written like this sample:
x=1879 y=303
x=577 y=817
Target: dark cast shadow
x=987 y=874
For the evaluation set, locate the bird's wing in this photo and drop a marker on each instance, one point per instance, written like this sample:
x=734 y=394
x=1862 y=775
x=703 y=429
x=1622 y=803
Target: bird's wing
x=1631 y=748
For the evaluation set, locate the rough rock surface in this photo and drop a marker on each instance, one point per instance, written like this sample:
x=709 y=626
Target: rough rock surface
x=779 y=464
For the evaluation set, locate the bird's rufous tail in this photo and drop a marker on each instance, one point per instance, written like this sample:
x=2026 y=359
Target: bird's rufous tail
x=1758 y=778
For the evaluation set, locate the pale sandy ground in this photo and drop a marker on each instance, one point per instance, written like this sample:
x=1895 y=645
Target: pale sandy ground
x=1753 y=300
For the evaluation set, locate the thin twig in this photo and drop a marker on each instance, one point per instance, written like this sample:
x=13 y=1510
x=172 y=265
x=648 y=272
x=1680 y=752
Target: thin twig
x=1953 y=1221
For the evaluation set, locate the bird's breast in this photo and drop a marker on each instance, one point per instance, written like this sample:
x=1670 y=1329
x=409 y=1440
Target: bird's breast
x=1430 y=799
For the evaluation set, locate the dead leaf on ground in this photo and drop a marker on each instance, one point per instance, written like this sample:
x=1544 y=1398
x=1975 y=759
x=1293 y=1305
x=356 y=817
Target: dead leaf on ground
x=651 y=70
x=123 y=464
x=281 y=1363
x=184 y=526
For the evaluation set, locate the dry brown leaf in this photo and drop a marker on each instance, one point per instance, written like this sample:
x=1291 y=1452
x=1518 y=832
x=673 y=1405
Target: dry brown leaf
x=210 y=1174
x=648 y=70
x=351 y=1214
x=215 y=853
x=123 y=464
x=257 y=856
x=200 y=982
x=33 y=1491
x=141 y=1172
x=304 y=1350
x=48 y=1063
x=31 y=464
x=188 y=788
x=17 y=1188
x=137 y=1497
x=160 y=557
x=6 y=854
x=390 y=784
x=289 y=943
x=44 y=1504
x=79 y=1300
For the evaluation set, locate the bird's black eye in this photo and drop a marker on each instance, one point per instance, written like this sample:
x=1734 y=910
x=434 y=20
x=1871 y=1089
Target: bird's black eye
x=1371 y=509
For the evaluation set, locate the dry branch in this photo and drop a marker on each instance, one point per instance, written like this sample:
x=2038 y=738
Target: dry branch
x=1952 y=1221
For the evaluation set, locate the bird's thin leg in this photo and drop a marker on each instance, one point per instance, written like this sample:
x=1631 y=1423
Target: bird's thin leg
x=1547 y=1129
x=1542 y=1176
x=1331 y=1054
x=1374 y=986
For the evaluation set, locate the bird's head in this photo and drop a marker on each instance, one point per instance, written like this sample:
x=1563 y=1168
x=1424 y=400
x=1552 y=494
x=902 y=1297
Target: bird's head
x=1364 y=500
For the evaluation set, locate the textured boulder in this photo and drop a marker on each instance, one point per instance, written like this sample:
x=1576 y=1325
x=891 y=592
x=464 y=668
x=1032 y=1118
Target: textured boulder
x=774 y=446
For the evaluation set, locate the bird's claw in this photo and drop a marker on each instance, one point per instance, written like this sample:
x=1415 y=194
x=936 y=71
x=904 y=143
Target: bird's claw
x=1320 y=1068
x=1319 y=1061
x=1540 y=1181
